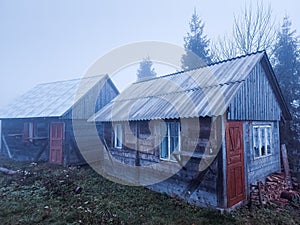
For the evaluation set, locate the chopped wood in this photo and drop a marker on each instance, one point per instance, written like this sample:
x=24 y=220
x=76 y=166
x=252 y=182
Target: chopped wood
x=274 y=190
x=7 y=171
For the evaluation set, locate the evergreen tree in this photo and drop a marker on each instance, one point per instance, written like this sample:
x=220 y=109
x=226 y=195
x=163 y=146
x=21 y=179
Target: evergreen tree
x=286 y=56
x=196 y=45
x=145 y=70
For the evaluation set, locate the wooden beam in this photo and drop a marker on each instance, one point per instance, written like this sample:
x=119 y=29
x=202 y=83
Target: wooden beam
x=286 y=165
x=7 y=148
x=42 y=149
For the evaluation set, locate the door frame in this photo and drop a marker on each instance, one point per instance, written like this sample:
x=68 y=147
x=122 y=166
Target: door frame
x=62 y=143
x=241 y=126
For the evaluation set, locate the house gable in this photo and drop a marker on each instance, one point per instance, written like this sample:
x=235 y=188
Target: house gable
x=256 y=99
x=96 y=97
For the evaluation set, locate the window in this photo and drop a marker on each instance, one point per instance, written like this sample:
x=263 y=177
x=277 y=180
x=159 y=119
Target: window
x=262 y=140
x=118 y=136
x=170 y=140
x=35 y=129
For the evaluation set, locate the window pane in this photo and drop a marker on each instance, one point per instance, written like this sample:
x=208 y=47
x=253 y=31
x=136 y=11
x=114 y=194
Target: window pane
x=164 y=148
x=170 y=140
x=118 y=138
x=174 y=129
x=256 y=142
x=268 y=140
x=174 y=146
x=263 y=141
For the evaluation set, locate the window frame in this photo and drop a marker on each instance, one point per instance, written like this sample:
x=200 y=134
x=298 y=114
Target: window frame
x=33 y=130
x=118 y=131
x=168 y=135
x=264 y=139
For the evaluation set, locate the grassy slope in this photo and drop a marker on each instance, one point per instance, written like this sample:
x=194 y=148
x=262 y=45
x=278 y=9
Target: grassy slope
x=44 y=194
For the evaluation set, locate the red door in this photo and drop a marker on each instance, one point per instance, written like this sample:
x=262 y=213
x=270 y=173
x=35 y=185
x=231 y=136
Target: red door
x=235 y=163
x=56 y=142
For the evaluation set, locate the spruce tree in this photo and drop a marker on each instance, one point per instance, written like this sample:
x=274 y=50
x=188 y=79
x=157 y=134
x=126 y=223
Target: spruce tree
x=286 y=57
x=145 y=69
x=196 y=45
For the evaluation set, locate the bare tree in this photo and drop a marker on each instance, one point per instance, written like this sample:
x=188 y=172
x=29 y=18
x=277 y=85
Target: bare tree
x=253 y=30
x=223 y=48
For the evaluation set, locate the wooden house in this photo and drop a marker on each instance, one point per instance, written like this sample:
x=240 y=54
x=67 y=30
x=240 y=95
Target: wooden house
x=39 y=124
x=203 y=135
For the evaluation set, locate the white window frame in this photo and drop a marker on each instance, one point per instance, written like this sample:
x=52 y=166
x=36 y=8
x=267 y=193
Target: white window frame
x=118 y=136
x=168 y=132
x=263 y=140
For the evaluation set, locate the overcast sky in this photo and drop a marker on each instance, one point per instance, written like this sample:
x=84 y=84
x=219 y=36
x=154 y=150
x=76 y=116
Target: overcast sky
x=50 y=40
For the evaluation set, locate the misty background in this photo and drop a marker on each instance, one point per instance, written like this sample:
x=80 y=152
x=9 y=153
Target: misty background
x=50 y=40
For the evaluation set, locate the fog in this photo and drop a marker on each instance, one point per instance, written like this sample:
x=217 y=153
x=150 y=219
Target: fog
x=44 y=41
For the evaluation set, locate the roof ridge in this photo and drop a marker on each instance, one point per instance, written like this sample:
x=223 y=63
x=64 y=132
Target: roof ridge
x=208 y=65
x=181 y=91
x=74 y=79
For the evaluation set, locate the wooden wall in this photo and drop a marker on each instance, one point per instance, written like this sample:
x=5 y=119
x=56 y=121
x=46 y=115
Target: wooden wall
x=255 y=100
x=259 y=168
x=95 y=99
x=81 y=143
x=20 y=149
x=194 y=182
x=13 y=132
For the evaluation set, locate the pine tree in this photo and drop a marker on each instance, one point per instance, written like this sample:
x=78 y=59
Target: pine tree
x=196 y=45
x=145 y=70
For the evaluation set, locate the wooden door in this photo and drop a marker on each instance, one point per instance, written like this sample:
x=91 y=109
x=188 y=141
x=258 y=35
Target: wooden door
x=235 y=163
x=56 y=142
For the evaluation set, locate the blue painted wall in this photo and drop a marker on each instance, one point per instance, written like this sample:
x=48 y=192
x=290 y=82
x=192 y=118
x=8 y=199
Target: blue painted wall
x=259 y=168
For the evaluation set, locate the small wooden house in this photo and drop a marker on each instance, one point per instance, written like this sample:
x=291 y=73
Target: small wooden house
x=39 y=124
x=203 y=135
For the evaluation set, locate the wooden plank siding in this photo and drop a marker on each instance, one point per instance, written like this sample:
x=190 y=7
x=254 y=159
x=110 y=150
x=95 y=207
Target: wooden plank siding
x=255 y=100
x=95 y=99
x=13 y=132
x=259 y=168
x=193 y=140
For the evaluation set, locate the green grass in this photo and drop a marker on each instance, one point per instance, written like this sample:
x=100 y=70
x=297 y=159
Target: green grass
x=44 y=194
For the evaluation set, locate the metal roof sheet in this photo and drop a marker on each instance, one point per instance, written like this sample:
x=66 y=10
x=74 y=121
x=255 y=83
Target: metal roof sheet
x=205 y=91
x=50 y=99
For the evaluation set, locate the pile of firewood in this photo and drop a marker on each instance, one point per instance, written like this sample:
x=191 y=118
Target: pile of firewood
x=274 y=186
x=275 y=189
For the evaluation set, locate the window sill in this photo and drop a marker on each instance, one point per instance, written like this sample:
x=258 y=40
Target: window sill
x=193 y=155
x=262 y=157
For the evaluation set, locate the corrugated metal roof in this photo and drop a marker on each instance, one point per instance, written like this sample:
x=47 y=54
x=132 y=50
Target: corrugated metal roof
x=201 y=92
x=50 y=99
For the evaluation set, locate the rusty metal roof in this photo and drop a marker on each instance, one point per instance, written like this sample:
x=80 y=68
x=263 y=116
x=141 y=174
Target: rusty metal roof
x=50 y=99
x=205 y=91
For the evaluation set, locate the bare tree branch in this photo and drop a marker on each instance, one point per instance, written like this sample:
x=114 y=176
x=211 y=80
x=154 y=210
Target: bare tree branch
x=253 y=30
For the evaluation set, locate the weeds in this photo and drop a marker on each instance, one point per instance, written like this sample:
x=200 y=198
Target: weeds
x=48 y=194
